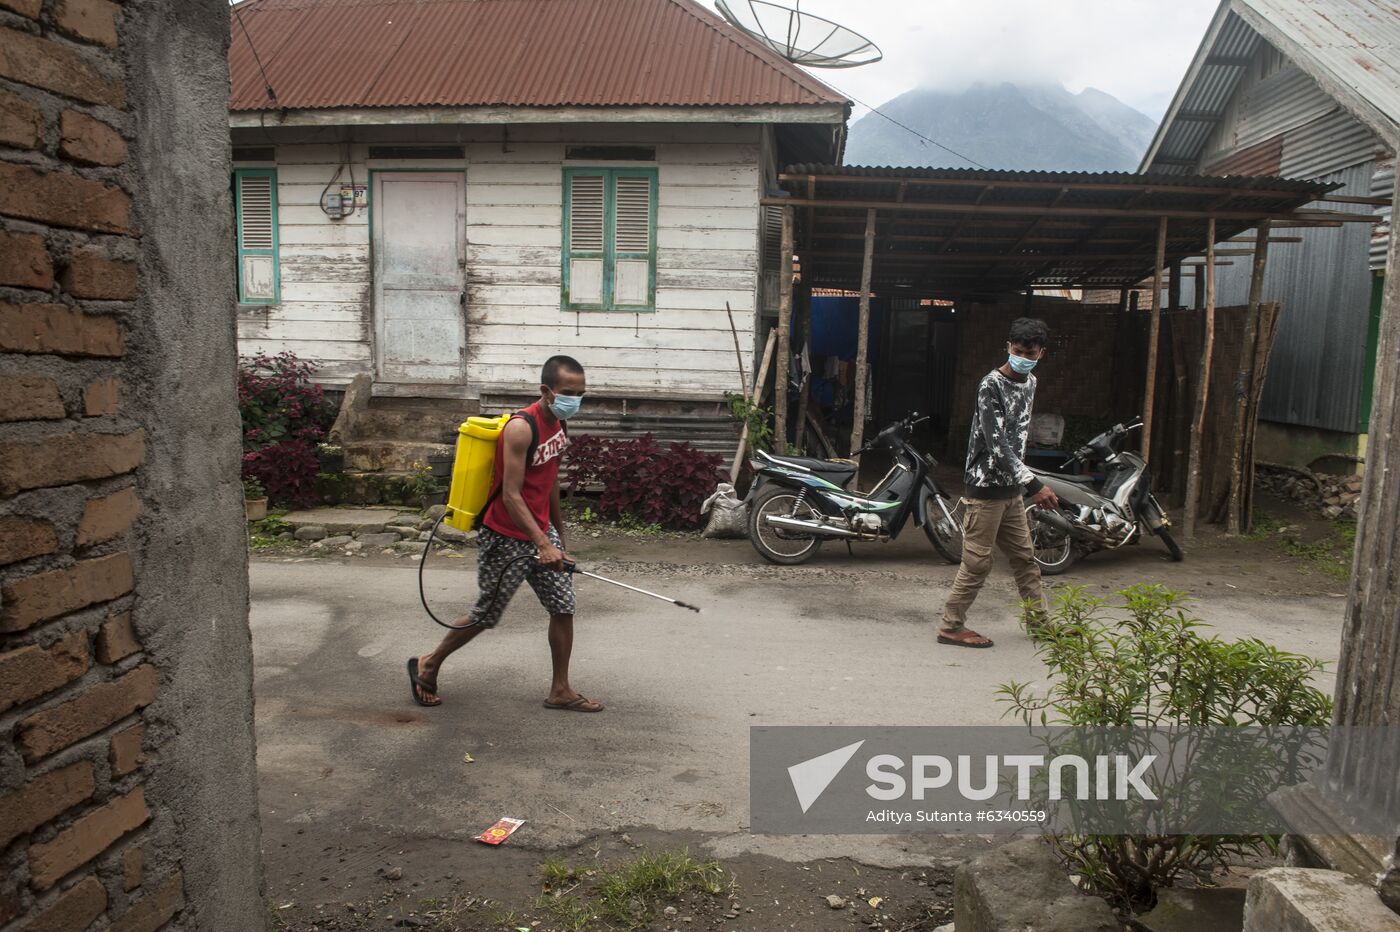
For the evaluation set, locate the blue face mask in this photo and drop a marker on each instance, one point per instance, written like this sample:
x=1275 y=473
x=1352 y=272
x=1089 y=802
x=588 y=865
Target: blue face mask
x=1019 y=365
x=565 y=406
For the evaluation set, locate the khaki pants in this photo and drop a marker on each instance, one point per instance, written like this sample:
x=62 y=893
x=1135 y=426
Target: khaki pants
x=986 y=522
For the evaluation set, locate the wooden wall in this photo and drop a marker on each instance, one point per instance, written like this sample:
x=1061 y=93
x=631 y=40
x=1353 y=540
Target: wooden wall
x=708 y=253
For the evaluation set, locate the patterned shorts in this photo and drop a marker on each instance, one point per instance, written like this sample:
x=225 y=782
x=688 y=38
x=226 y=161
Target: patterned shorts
x=512 y=562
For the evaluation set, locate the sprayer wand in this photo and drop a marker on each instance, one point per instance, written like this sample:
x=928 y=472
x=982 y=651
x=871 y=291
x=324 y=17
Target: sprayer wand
x=570 y=567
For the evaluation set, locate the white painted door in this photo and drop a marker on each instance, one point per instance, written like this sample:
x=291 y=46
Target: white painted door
x=419 y=257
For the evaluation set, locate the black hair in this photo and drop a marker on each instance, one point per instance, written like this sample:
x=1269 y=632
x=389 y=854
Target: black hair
x=554 y=365
x=1028 y=331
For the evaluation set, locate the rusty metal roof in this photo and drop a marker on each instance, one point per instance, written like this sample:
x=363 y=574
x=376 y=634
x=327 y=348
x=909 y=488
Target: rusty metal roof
x=519 y=53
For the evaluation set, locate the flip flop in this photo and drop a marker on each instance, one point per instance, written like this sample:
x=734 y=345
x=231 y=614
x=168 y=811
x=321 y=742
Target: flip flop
x=965 y=642
x=416 y=683
x=576 y=705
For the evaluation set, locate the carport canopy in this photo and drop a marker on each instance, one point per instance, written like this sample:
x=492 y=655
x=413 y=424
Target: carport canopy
x=973 y=233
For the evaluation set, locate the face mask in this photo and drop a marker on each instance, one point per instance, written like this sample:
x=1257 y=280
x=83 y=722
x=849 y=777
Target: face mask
x=1020 y=365
x=565 y=406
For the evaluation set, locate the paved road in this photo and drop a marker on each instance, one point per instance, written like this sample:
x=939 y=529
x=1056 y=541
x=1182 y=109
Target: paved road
x=340 y=742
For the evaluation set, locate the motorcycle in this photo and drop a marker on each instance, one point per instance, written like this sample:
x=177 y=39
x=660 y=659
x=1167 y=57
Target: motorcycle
x=1098 y=514
x=796 y=503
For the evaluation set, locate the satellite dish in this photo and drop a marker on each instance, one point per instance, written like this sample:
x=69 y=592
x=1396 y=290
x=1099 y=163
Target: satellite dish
x=801 y=38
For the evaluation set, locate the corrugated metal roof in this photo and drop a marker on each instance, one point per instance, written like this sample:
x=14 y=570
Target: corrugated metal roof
x=523 y=53
x=993 y=176
x=1354 y=43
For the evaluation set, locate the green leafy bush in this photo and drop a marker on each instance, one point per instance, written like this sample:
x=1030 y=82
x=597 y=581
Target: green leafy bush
x=1147 y=663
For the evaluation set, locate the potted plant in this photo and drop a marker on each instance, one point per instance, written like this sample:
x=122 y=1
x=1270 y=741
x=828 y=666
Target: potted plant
x=330 y=457
x=254 y=499
x=440 y=465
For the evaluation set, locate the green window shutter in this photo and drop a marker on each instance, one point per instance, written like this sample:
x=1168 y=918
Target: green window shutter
x=609 y=239
x=255 y=207
x=634 y=240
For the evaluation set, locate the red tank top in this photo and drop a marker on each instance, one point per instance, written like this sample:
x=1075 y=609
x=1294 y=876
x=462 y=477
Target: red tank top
x=538 y=483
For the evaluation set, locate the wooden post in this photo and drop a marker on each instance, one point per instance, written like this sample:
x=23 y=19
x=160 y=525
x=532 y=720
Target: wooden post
x=1174 y=286
x=1198 y=426
x=760 y=378
x=804 y=340
x=1235 y=521
x=743 y=379
x=1200 y=288
x=780 y=397
x=1154 y=332
x=863 y=340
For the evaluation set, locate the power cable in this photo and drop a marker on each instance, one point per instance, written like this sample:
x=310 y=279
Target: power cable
x=902 y=126
x=267 y=83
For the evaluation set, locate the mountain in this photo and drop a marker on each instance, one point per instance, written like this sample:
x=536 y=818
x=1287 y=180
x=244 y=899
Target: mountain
x=1005 y=125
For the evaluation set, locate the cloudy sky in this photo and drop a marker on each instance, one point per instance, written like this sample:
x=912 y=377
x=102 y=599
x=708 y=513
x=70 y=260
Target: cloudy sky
x=1136 y=50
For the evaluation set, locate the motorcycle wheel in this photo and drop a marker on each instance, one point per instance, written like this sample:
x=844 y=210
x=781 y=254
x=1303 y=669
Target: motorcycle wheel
x=1172 y=547
x=1054 y=551
x=784 y=548
x=943 y=524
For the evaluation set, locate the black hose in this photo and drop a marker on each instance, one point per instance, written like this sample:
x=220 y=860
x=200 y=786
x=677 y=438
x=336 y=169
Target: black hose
x=423 y=595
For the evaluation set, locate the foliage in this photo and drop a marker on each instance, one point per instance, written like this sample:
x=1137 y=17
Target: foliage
x=626 y=896
x=1148 y=665
x=329 y=449
x=253 y=489
x=420 y=481
x=758 y=418
x=284 y=416
x=642 y=480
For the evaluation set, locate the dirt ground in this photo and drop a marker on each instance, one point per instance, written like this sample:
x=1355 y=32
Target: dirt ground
x=348 y=825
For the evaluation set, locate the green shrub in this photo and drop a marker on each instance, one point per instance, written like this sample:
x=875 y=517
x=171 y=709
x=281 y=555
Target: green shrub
x=1147 y=664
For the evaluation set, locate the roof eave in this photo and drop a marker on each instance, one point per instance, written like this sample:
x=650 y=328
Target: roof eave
x=1193 y=73
x=438 y=115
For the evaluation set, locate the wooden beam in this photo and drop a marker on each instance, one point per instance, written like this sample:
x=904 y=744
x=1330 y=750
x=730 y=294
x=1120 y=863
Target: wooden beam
x=760 y=385
x=1024 y=210
x=863 y=335
x=780 y=395
x=1156 y=187
x=1198 y=425
x=1154 y=331
x=1235 y=522
x=804 y=391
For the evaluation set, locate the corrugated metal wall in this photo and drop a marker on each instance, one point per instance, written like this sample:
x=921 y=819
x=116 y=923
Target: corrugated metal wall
x=1324 y=288
x=1322 y=283
x=1382 y=185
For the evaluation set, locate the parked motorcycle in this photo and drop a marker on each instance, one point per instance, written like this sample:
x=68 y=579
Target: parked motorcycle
x=797 y=503
x=1098 y=514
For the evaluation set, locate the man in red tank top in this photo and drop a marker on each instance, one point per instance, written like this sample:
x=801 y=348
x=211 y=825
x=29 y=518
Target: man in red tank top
x=521 y=539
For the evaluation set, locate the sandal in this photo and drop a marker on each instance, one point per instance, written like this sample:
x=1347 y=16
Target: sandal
x=965 y=638
x=416 y=683
x=578 y=705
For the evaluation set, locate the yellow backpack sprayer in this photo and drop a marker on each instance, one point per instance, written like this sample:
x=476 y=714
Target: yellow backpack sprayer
x=474 y=488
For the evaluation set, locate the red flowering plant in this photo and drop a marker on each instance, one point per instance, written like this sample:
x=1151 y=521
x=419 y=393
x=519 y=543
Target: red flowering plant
x=641 y=478
x=285 y=415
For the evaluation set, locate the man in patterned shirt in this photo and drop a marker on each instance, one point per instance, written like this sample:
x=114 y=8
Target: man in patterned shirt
x=995 y=480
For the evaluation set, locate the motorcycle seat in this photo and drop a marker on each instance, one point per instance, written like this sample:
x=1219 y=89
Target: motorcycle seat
x=1062 y=477
x=825 y=467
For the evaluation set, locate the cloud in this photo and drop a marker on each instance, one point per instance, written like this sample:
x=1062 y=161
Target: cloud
x=1136 y=50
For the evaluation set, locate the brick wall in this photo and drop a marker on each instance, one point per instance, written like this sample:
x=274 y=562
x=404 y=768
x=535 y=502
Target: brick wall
x=95 y=691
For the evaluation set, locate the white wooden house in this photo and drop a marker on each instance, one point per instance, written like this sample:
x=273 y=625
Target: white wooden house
x=457 y=189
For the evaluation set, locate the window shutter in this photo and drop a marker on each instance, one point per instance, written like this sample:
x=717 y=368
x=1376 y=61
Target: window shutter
x=770 y=279
x=587 y=244
x=257 y=236
x=632 y=240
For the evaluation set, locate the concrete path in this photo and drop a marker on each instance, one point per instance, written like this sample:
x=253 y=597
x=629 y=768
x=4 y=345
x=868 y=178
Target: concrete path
x=340 y=741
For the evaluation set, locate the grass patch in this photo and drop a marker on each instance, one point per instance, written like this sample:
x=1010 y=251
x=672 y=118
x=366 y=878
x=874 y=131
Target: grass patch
x=1330 y=554
x=628 y=895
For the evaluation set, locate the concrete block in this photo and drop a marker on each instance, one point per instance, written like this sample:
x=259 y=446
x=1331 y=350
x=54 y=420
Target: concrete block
x=1299 y=899
x=1201 y=909
x=1022 y=885
x=378 y=540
